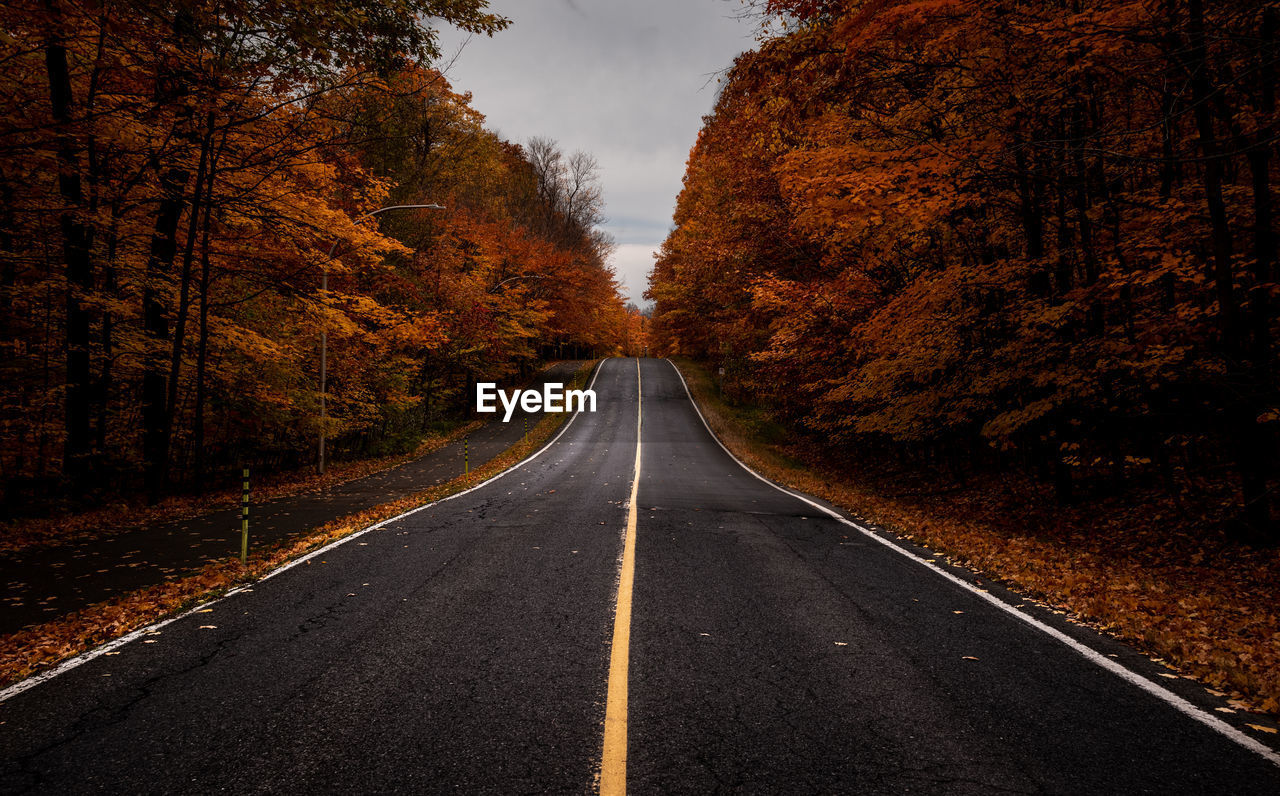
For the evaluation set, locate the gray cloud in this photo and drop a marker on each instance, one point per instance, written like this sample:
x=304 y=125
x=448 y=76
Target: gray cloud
x=625 y=80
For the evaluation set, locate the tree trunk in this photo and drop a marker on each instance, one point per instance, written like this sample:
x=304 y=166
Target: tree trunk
x=77 y=242
x=1201 y=96
x=1032 y=223
x=202 y=347
x=105 y=377
x=184 y=290
x=1247 y=440
x=172 y=86
x=155 y=422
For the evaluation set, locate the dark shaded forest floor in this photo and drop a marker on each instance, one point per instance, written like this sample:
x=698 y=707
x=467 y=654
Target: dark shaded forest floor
x=1140 y=566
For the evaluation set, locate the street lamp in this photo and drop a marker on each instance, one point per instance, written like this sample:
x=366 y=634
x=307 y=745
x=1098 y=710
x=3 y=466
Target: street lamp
x=494 y=289
x=324 y=332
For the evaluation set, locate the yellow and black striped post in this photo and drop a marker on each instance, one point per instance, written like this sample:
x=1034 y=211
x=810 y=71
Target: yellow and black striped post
x=526 y=428
x=244 y=519
x=466 y=466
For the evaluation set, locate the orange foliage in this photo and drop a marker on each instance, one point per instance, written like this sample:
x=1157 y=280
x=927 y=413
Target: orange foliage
x=1009 y=235
x=174 y=181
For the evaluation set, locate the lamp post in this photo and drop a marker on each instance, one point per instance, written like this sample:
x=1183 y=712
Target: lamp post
x=324 y=332
x=494 y=289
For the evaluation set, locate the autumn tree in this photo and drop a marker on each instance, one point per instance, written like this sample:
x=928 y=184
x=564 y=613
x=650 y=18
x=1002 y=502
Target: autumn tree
x=174 y=179
x=1008 y=232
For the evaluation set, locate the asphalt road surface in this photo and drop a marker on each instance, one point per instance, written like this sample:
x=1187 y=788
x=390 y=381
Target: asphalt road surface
x=773 y=649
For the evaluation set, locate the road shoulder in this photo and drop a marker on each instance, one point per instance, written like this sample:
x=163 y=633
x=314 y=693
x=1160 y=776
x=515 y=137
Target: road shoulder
x=1198 y=661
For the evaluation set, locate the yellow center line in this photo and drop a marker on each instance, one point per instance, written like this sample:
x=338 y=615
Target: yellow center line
x=613 y=764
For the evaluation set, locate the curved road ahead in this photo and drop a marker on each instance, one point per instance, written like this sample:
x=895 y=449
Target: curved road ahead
x=773 y=649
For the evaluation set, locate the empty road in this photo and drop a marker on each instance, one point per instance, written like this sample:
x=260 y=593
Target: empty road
x=476 y=645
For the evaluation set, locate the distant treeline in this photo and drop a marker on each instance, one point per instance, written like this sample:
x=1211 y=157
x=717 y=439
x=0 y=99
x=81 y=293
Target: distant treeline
x=1036 y=235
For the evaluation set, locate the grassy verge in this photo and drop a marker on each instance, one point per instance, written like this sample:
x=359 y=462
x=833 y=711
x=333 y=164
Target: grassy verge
x=36 y=649
x=1136 y=567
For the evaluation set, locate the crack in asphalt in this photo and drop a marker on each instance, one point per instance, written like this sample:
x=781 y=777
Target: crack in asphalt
x=111 y=715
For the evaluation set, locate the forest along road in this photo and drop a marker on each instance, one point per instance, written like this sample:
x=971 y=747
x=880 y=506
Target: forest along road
x=467 y=647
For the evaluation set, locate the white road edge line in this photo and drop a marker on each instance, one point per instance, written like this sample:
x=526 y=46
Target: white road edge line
x=97 y=652
x=1132 y=677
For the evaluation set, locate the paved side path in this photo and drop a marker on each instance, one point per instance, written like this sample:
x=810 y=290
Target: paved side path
x=44 y=584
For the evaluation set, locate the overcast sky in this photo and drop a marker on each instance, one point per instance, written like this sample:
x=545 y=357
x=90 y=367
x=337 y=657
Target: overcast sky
x=626 y=80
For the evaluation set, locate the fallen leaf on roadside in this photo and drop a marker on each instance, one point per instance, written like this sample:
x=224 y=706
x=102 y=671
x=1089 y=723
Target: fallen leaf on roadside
x=968 y=658
x=1260 y=728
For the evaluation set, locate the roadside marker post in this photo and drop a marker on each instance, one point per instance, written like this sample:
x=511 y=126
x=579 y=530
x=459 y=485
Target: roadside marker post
x=466 y=465
x=526 y=428
x=244 y=519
